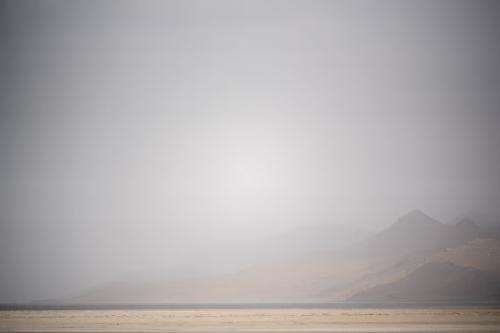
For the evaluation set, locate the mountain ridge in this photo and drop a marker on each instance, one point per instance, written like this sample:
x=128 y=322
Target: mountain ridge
x=390 y=256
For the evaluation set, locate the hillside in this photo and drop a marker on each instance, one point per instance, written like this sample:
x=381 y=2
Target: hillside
x=434 y=282
x=417 y=255
x=480 y=253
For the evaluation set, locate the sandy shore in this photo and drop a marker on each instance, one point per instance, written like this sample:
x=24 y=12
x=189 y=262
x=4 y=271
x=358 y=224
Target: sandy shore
x=250 y=320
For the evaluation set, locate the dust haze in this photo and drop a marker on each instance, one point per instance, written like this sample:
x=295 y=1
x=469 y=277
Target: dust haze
x=185 y=139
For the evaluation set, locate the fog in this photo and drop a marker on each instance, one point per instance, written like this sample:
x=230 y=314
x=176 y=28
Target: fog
x=162 y=138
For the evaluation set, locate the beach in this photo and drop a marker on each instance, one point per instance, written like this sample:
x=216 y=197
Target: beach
x=253 y=320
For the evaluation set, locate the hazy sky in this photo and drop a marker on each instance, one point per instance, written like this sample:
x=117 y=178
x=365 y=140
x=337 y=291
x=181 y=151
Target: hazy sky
x=136 y=135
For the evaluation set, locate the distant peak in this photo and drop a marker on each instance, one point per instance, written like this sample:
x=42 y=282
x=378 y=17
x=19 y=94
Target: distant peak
x=467 y=223
x=415 y=213
x=416 y=217
x=478 y=218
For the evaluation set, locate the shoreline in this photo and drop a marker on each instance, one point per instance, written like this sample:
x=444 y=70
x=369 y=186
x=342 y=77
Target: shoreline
x=254 y=320
x=250 y=306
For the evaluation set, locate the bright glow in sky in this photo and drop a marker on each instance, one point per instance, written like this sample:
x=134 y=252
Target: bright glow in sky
x=141 y=136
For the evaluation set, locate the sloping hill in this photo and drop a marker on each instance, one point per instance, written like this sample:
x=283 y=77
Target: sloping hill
x=392 y=257
x=480 y=253
x=437 y=282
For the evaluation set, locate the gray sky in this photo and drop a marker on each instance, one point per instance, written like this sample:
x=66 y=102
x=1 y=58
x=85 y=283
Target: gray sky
x=137 y=136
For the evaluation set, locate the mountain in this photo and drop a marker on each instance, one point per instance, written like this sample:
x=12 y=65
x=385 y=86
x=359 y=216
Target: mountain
x=468 y=225
x=437 y=282
x=488 y=224
x=416 y=232
x=415 y=255
x=293 y=280
x=292 y=266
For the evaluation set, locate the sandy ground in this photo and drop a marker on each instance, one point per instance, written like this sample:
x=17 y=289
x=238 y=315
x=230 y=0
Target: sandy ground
x=250 y=320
